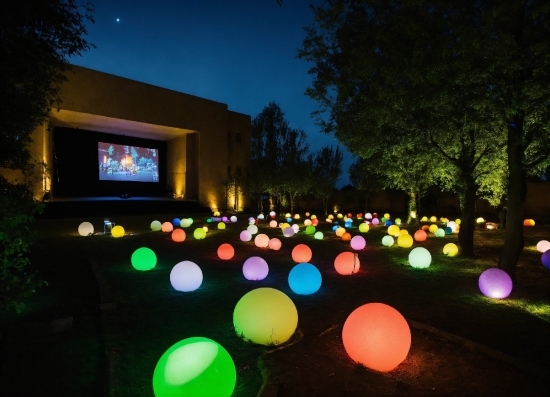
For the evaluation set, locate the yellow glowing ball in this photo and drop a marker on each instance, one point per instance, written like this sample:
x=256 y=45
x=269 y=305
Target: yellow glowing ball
x=216 y=213
x=347 y=263
x=403 y=231
x=424 y=219
x=307 y=222
x=178 y=235
x=199 y=233
x=284 y=226
x=205 y=228
x=480 y=220
x=301 y=253
x=393 y=230
x=450 y=249
x=340 y=231
x=398 y=221
x=387 y=216
x=287 y=215
x=261 y=241
x=265 y=316
x=331 y=217
x=315 y=216
x=433 y=228
x=364 y=227
x=457 y=221
x=85 y=229
x=297 y=216
x=405 y=241
x=226 y=251
x=339 y=216
x=167 y=227
x=118 y=231
x=273 y=223
x=433 y=219
x=221 y=225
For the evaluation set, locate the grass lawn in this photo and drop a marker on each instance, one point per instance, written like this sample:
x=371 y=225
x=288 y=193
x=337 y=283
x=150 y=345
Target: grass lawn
x=150 y=315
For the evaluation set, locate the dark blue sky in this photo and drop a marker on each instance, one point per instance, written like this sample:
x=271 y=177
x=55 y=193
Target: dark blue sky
x=238 y=52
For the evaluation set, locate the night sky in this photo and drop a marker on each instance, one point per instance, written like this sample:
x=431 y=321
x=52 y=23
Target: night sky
x=238 y=52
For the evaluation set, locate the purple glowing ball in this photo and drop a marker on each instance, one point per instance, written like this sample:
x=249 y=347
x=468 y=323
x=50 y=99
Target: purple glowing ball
x=358 y=243
x=545 y=259
x=255 y=268
x=245 y=235
x=495 y=283
x=375 y=221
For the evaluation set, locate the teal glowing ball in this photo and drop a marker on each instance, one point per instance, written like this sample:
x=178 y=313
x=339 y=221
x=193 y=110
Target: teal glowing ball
x=144 y=259
x=305 y=279
x=195 y=367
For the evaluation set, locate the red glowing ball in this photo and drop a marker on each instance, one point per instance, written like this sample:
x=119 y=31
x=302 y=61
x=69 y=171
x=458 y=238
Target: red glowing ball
x=226 y=251
x=347 y=263
x=178 y=235
x=377 y=336
x=420 y=235
x=301 y=253
x=315 y=222
x=425 y=228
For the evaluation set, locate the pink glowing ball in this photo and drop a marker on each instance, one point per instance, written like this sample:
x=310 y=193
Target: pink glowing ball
x=420 y=235
x=226 y=251
x=543 y=246
x=245 y=235
x=358 y=243
x=275 y=244
x=167 y=227
x=347 y=263
x=375 y=221
x=255 y=268
x=261 y=241
x=495 y=283
x=273 y=223
x=301 y=253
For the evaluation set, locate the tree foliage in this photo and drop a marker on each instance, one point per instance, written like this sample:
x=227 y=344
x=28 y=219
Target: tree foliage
x=327 y=168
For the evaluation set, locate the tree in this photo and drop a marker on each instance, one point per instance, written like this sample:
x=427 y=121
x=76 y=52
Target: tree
x=327 y=168
x=365 y=179
x=296 y=166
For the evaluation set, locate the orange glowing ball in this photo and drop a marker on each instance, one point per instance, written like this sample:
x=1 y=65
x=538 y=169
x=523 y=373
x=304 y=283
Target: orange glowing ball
x=167 y=227
x=420 y=235
x=340 y=231
x=301 y=253
x=346 y=237
x=275 y=244
x=261 y=241
x=426 y=228
x=273 y=223
x=528 y=222
x=347 y=263
x=226 y=251
x=178 y=235
x=377 y=336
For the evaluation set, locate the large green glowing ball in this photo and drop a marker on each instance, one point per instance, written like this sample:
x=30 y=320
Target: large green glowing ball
x=85 y=229
x=156 y=226
x=420 y=258
x=363 y=227
x=143 y=259
x=195 y=367
x=199 y=233
x=265 y=316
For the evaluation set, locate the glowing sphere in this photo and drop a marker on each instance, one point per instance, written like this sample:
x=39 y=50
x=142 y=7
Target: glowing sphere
x=480 y=220
x=424 y=219
x=387 y=241
x=216 y=213
x=310 y=229
x=195 y=367
x=205 y=228
x=224 y=219
x=452 y=225
x=297 y=216
x=253 y=229
x=420 y=258
x=368 y=215
x=199 y=233
x=185 y=223
x=221 y=226
x=273 y=223
x=274 y=244
x=339 y=216
x=261 y=241
x=433 y=228
x=178 y=235
x=346 y=237
x=255 y=268
x=543 y=245
x=261 y=216
x=226 y=251
x=167 y=227
x=377 y=336
x=398 y=221
x=450 y=249
x=420 y=235
x=304 y=279
x=393 y=230
x=426 y=228
x=251 y=219
x=176 y=222
x=383 y=220
x=85 y=229
x=233 y=219
x=334 y=228
x=272 y=213
x=340 y=231
x=545 y=259
x=265 y=316
x=288 y=232
x=318 y=235
x=245 y=235
x=375 y=221
x=118 y=231
x=347 y=263
x=495 y=283
x=439 y=233
x=186 y=276
x=287 y=215
x=405 y=241
x=358 y=243
x=143 y=259
x=314 y=217
x=364 y=227
x=289 y=220
x=156 y=226
x=528 y=222
x=433 y=219
x=387 y=216
x=307 y=222
x=403 y=231
x=448 y=230
x=315 y=222
x=301 y=253
x=295 y=227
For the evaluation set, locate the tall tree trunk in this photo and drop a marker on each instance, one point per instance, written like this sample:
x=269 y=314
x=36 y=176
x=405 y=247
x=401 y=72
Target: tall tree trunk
x=325 y=205
x=411 y=208
x=467 y=218
x=366 y=203
x=517 y=190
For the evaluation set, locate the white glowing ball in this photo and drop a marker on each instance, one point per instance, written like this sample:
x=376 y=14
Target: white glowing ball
x=261 y=241
x=420 y=258
x=233 y=218
x=543 y=246
x=253 y=229
x=185 y=222
x=85 y=229
x=387 y=241
x=452 y=225
x=275 y=244
x=272 y=213
x=255 y=268
x=358 y=243
x=251 y=219
x=295 y=227
x=186 y=276
x=261 y=216
x=273 y=223
x=368 y=216
x=245 y=235
x=307 y=222
x=288 y=232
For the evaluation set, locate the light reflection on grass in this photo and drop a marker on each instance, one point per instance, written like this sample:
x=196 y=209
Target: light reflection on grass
x=538 y=309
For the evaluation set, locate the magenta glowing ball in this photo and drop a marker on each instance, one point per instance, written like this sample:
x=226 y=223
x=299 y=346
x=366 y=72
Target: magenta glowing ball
x=358 y=243
x=495 y=283
x=255 y=268
x=275 y=244
x=245 y=235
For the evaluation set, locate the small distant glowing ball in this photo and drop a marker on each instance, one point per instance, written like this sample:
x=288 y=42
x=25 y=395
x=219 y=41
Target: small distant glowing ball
x=377 y=336
x=315 y=222
x=528 y=222
x=273 y=223
x=480 y=220
x=178 y=235
x=310 y=229
x=448 y=230
x=387 y=241
x=340 y=231
x=450 y=249
x=304 y=279
x=405 y=241
x=307 y=213
x=346 y=237
x=318 y=235
x=424 y=219
x=375 y=221
x=265 y=316
x=274 y=244
x=205 y=228
x=314 y=217
x=261 y=216
x=253 y=229
x=251 y=219
x=296 y=228
x=255 y=268
x=420 y=258
x=167 y=227
x=339 y=216
x=364 y=227
x=221 y=226
x=186 y=276
x=420 y=235
x=403 y=231
x=287 y=215
x=301 y=253
x=495 y=283
x=393 y=230
x=439 y=233
x=224 y=219
x=176 y=222
x=307 y=222
x=383 y=220
x=347 y=224
x=289 y=220
x=426 y=228
x=297 y=216
x=245 y=235
x=233 y=219
x=199 y=233
x=347 y=263
x=118 y=231
x=284 y=226
x=387 y=216
x=545 y=259
x=216 y=213
x=358 y=243
x=433 y=228
x=195 y=367
x=334 y=228
x=288 y=232
x=433 y=219
x=185 y=223
x=398 y=221
x=452 y=225
x=368 y=216
x=156 y=226
x=543 y=245
x=272 y=213
x=261 y=241
x=85 y=229
x=375 y=215
x=143 y=259
x=226 y=251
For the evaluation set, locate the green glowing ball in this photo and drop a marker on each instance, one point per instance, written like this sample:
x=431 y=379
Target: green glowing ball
x=265 y=316
x=387 y=241
x=420 y=258
x=199 y=233
x=310 y=229
x=144 y=259
x=156 y=226
x=318 y=235
x=195 y=367
x=363 y=227
x=440 y=233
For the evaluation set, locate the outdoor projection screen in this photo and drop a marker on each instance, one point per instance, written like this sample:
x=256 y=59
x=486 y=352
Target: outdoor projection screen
x=127 y=163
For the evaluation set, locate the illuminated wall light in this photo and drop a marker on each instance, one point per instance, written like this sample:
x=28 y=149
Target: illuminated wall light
x=304 y=279
x=143 y=259
x=186 y=276
x=85 y=229
x=255 y=268
x=495 y=283
x=347 y=263
x=178 y=235
x=226 y=251
x=156 y=226
x=118 y=231
x=420 y=258
x=301 y=253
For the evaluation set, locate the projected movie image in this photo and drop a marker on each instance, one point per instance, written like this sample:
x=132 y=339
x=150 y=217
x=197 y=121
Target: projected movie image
x=127 y=163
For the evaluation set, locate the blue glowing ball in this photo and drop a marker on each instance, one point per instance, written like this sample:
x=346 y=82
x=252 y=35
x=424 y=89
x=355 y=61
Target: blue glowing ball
x=388 y=223
x=448 y=230
x=334 y=228
x=289 y=220
x=304 y=279
x=347 y=224
x=545 y=259
x=176 y=222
